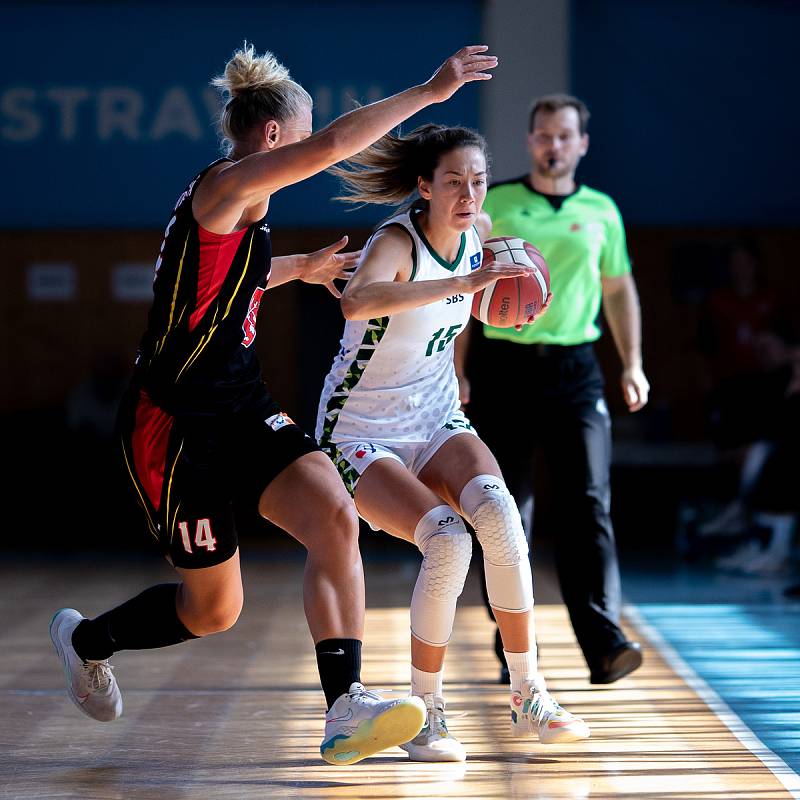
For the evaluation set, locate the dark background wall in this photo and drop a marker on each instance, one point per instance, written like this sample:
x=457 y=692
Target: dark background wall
x=105 y=115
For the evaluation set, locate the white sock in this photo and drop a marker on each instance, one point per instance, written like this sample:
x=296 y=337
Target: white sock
x=521 y=667
x=423 y=683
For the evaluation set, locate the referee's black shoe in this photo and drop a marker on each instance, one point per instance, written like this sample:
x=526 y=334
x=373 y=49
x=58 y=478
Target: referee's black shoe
x=618 y=663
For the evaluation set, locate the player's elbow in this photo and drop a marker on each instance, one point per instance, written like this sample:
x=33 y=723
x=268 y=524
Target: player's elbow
x=353 y=308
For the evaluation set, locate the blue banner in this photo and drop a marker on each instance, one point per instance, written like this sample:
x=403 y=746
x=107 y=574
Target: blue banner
x=693 y=116
x=106 y=111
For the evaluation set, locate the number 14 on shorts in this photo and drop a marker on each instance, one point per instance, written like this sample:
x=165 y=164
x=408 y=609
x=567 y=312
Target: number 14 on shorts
x=202 y=536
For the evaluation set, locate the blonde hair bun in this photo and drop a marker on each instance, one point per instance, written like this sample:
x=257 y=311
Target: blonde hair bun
x=247 y=71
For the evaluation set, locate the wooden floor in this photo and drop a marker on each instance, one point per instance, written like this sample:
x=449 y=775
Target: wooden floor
x=240 y=715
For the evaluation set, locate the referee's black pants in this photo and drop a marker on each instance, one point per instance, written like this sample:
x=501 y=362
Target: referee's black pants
x=529 y=396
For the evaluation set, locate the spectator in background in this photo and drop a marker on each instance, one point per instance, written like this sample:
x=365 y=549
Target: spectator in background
x=739 y=341
x=767 y=501
x=735 y=314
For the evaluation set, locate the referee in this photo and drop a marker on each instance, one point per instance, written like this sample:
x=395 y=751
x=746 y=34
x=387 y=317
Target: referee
x=580 y=232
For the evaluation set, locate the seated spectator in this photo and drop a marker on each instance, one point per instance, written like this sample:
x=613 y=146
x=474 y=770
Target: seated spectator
x=768 y=500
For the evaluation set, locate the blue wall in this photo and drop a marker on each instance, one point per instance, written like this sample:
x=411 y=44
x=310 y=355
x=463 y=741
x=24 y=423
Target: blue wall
x=695 y=112
x=106 y=112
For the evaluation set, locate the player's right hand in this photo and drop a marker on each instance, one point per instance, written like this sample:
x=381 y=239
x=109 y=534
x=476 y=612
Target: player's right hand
x=488 y=273
x=468 y=64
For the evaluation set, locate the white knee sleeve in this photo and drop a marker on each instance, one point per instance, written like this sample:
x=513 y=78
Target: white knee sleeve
x=491 y=510
x=446 y=548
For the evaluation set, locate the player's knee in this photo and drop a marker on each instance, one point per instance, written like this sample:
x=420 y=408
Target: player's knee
x=446 y=563
x=446 y=547
x=223 y=618
x=213 y=614
x=341 y=527
x=492 y=512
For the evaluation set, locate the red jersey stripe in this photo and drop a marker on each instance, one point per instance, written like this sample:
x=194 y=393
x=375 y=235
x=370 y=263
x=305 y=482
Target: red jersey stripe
x=150 y=440
x=217 y=251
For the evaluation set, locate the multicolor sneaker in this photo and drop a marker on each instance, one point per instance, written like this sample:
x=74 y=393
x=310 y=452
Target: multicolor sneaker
x=434 y=742
x=533 y=709
x=90 y=684
x=361 y=723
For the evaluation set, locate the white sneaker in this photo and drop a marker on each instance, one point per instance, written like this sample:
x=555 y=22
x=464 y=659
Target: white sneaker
x=90 y=684
x=534 y=710
x=361 y=723
x=434 y=742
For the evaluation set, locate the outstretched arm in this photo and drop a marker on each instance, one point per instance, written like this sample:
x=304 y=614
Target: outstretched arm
x=322 y=266
x=254 y=178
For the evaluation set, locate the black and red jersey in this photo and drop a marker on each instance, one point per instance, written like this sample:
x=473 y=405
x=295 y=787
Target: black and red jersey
x=197 y=356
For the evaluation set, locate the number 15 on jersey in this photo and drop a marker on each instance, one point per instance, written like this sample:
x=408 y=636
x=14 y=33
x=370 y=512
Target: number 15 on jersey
x=439 y=341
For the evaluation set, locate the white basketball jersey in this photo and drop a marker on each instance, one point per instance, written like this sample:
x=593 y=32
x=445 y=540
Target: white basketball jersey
x=393 y=379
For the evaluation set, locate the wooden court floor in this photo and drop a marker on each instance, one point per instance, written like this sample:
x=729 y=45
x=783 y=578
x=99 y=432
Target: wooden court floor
x=240 y=715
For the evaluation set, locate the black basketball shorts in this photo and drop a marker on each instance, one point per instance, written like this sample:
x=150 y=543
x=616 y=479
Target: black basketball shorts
x=191 y=474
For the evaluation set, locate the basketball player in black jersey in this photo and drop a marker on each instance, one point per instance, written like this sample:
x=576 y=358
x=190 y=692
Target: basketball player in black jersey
x=200 y=433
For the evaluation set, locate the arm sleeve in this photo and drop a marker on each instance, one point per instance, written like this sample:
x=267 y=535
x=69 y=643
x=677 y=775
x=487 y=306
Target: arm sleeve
x=615 y=260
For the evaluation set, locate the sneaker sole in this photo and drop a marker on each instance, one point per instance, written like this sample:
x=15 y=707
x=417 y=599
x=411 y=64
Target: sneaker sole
x=395 y=726
x=559 y=736
x=565 y=736
x=430 y=754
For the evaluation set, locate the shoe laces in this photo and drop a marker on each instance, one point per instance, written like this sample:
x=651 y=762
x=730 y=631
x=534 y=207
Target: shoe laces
x=435 y=708
x=360 y=693
x=543 y=706
x=98 y=675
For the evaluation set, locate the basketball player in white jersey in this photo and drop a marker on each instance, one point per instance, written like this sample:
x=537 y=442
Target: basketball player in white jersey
x=203 y=416
x=389 y=417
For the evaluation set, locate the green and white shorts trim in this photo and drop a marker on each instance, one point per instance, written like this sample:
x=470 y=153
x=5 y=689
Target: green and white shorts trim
x=352 y=457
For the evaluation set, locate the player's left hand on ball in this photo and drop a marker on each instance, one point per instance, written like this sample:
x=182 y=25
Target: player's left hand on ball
x=635 y=388
x=538 y=314
x=327 y=265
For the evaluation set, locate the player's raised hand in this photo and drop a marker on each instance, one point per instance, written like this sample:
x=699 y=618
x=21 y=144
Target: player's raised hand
x=468 y=64
x=328 y=264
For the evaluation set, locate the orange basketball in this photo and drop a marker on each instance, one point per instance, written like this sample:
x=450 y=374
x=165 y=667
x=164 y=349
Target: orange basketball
x=512 y=301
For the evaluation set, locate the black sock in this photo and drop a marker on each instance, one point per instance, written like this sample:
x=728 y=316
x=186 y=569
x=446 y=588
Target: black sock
x=146 y=621
x=339 y=664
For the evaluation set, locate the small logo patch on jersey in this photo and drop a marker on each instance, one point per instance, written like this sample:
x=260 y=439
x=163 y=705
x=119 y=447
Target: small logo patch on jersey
x=363 y=449
x=249 y=325
x=475 y=261
x=575 y=227
x=278 y=421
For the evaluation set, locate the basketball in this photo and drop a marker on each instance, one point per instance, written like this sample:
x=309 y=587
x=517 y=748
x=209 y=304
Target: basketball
x=512 y=301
